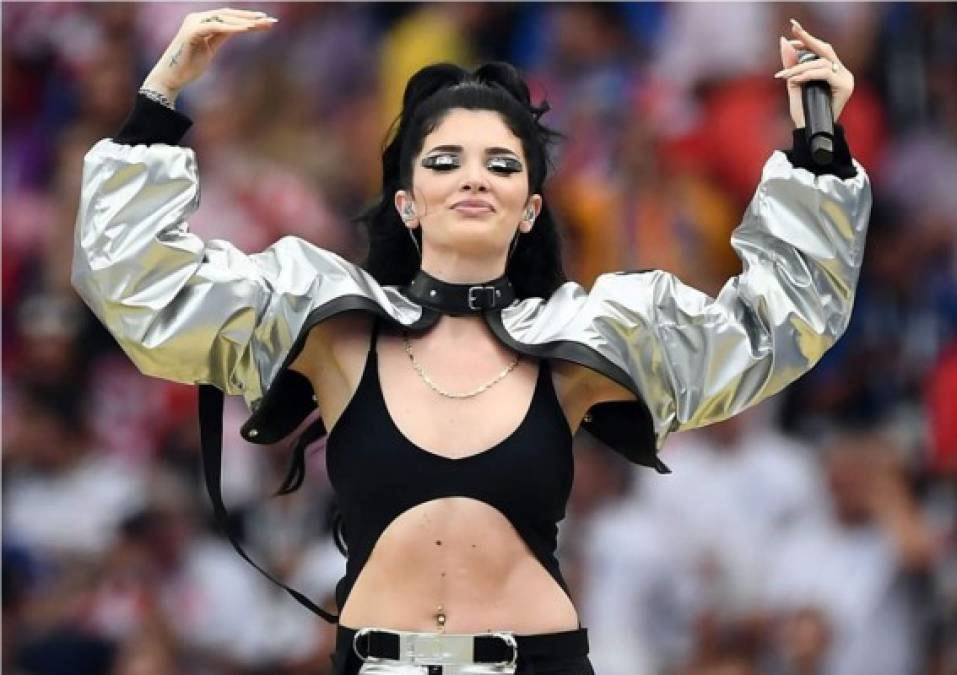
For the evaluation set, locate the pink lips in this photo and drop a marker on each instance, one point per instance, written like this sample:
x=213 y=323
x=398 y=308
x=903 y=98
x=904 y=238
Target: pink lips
x=473 y=206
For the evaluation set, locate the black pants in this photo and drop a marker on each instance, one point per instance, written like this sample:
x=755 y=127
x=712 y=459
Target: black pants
x=542 y=654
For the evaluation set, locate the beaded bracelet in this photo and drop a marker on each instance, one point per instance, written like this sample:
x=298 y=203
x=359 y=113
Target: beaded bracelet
x=157 y=96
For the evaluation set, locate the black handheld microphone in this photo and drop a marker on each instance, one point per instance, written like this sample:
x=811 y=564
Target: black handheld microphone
x=818 y=115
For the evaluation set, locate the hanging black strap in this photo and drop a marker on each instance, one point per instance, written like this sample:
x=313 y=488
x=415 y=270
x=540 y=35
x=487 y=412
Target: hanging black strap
x=211 y=441
x=296 y=473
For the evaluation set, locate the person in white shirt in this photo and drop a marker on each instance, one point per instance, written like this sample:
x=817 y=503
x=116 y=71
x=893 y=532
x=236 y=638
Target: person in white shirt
x=854 y=573
x=697 y=543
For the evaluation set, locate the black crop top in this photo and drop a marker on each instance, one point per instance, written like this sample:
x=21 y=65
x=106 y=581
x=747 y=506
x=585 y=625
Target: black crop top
x=378 y=473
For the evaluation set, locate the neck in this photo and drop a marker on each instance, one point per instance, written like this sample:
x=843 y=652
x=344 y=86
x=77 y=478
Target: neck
x=455 y=268
x=461 y=325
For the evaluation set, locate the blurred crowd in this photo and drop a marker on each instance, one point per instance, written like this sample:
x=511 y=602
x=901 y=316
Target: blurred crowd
x=815 y=534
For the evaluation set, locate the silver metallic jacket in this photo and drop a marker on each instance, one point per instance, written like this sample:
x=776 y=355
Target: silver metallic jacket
x=207 y=313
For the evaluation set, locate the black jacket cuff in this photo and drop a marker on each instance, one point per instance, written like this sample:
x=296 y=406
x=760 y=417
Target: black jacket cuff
x=152 y=122
x=800 y=155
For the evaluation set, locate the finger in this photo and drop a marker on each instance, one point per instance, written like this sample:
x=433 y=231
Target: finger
x=213 y=28
x=803 y=67
x=216 y=24
x=216 y=41
x=224 y=19
x=247 y=16
x=232 y=16
x=259 y=27
x=790 y=49
x=824 y=74
x=789 y=55
x=816 y=45
x=243 y=13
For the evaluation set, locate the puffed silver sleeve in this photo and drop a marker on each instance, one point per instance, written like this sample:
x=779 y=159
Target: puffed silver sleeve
x=697 y=359
x=184 y=309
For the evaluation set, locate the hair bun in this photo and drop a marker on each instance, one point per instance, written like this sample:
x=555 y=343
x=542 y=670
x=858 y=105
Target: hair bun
x=500 y=74
x=506 y=76
x=509 y=78
x=431 y=79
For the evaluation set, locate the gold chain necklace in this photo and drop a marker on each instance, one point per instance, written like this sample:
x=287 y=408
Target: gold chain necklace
x=447 y=394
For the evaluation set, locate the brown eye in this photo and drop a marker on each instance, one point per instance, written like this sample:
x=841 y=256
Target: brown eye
x=440 y=162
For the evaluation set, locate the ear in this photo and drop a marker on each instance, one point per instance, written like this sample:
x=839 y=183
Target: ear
x=533 y=208
x=406 y=209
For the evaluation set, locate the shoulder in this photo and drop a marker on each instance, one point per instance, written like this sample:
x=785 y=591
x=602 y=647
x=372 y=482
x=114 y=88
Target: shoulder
x=336 y=346
x=343 y=334
x=585 y=385
x=562 y=327
x=290 y=252
x=637 y=286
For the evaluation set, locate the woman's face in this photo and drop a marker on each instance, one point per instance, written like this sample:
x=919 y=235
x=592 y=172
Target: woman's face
x=471 y=156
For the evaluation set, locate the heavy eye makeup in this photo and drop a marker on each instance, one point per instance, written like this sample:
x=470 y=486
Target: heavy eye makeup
x=447 y=161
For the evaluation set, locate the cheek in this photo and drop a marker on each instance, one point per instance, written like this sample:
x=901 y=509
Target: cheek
x=514 y=197
x=433 y=192
x=428 y=182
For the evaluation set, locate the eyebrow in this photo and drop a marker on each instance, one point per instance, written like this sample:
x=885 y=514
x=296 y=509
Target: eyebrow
x=488 y=151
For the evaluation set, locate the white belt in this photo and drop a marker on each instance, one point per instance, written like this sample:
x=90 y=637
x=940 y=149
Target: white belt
x=436 y=654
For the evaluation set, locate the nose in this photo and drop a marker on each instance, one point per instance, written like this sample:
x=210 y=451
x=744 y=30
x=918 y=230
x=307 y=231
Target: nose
x=473 y=178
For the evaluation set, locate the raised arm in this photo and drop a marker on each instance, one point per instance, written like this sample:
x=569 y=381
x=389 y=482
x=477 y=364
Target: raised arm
x=696 y=359
x=693 y=359
x=182 y=309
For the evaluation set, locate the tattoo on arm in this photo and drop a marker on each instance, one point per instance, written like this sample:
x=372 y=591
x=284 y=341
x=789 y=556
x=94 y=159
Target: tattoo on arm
x=179 y=50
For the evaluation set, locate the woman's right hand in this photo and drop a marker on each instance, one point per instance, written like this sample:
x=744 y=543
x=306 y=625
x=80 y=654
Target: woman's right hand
x=827 y=67
x=197 y=41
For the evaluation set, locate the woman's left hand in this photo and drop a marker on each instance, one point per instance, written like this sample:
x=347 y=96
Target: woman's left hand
x=826 y=67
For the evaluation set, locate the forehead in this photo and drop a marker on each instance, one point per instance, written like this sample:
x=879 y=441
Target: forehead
x=477 y=129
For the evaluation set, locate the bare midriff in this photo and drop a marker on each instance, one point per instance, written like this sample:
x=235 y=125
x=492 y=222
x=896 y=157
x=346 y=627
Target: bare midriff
x=456 y=565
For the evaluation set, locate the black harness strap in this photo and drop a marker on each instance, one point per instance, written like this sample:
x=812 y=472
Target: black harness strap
x=211 y=441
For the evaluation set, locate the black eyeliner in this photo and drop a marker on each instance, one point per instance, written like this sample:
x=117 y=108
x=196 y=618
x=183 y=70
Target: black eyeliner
x=506 y=164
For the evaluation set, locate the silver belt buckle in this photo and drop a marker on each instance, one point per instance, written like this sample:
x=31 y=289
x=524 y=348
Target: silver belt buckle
x=454 y=653
x=437 y=649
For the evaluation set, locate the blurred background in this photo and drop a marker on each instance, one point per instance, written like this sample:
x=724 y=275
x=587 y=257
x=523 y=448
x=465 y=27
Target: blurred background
x=814 y=534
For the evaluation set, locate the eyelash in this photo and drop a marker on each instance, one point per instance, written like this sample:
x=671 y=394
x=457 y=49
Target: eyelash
x=506 y=165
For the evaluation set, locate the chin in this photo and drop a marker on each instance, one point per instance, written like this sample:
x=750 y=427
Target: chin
x=475 y=236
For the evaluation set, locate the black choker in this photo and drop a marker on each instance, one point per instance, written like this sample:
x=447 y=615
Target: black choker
x=459 y=298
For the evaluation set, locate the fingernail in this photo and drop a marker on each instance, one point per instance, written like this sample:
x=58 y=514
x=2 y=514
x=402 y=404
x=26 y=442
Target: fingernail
x=271 y=18
x=796 y=24
x=782 y=73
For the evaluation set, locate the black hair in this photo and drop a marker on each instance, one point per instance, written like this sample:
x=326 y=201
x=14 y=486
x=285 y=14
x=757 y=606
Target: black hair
x=535 y=266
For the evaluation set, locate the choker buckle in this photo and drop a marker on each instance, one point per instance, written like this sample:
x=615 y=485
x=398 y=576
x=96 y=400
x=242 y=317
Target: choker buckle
x=476 y=299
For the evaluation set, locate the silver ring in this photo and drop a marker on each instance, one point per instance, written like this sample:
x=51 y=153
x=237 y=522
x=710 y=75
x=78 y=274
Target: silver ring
x=355 y=642
x=214 y=17
x=835 y=66
x=510 y=641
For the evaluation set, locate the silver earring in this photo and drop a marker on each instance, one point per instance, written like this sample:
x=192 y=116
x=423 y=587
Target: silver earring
x=408 y=212
x=529 y=215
